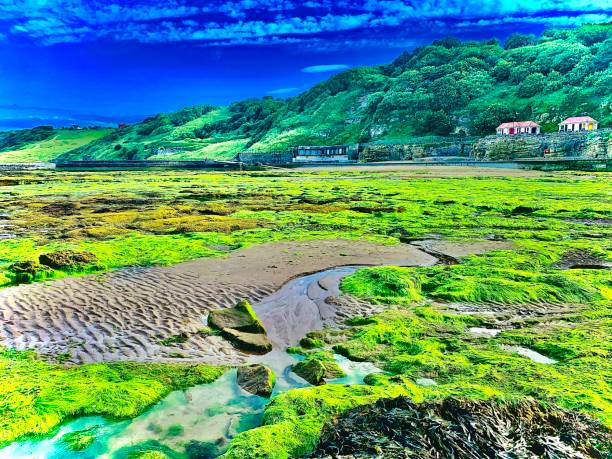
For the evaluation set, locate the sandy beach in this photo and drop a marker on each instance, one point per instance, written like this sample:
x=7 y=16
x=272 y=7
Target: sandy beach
x=126 y=314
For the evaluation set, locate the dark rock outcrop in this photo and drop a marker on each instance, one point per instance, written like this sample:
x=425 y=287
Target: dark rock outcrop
x=581 y=259
x=257 y=343
x=257 y=379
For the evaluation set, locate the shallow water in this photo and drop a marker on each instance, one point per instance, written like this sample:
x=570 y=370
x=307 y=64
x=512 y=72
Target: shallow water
x=530 y=354
x=214 y=412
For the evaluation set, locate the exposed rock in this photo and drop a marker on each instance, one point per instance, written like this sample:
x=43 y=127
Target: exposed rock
x=460 y=429
x=257 y=379
x=257 y=343
x=241 y=326
x=586 y=144
x=316 y=370
x=581 y=259
x=241 y=317
x=67 y=259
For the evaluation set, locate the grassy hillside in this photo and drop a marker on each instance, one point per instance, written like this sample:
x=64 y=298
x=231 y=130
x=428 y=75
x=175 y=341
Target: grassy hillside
x=43 y=143
x=448 y=87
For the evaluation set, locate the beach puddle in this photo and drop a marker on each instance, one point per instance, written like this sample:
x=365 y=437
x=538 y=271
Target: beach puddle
x=530 y=354
x=207 y=417
x=485 y=332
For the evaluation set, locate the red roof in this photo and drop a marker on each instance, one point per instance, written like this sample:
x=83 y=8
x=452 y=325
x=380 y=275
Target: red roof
x=578 y=119
x=517 y=124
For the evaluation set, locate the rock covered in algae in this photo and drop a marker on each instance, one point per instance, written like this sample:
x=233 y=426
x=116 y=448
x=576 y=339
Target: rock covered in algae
x=67 y=259
x=257 y=343
x=80 y=439
x=241 y=317
x=241 y=326
x=463 y=429
x=257 y=379
x=27 y=271
x=317 y=368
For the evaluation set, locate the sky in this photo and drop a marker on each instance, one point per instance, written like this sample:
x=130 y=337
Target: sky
x=68 y=62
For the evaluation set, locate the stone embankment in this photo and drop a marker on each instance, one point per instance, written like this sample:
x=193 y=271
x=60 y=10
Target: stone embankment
x=590 y=145
x=593 y=144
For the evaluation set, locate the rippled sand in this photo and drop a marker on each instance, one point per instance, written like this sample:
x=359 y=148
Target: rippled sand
x=125 y=314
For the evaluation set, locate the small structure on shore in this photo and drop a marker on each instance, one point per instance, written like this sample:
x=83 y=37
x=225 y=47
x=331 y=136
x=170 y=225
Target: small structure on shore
x=518 y=127
x=578 y=123
x=335 y=153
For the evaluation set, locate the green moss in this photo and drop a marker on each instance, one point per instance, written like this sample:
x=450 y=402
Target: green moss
x=423 y=343
x=293 y=421
x=384 y=284
x=35 y=396
x=80 y=440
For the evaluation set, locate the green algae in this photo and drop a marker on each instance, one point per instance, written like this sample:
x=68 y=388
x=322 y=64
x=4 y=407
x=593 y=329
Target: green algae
x=80 y=439
x=144 y=219
x=36 y=396
x=293 y=421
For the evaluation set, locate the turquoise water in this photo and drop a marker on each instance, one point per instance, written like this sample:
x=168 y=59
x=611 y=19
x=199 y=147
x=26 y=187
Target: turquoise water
x=200 y=421
x=210 y=413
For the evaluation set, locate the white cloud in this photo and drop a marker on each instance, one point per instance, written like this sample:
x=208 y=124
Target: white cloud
x=258 y=22
x=324 y=68
x=282 y=91
x=555 y=21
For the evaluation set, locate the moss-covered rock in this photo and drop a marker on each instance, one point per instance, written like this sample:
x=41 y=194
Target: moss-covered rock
x=257 y=343
x=80 y=439
x=241 y=317
x=67 y=260
x=27 y=271
x=317 y=368
x=241 y=326
x=256 y=379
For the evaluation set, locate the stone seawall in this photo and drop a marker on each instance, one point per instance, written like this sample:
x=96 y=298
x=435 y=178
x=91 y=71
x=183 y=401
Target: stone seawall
x=592 y=144
x=412 y=151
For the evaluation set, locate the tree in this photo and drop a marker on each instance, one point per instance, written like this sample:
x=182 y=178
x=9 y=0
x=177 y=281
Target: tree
x=447 y=93
x=487 y=121
x=433 y=122
x=501 y=71
x=531 y=85
x=448 y=42
x=518 y=40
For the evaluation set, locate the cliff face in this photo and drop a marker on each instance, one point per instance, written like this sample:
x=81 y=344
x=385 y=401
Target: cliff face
x=594 y=144
x=397 y=152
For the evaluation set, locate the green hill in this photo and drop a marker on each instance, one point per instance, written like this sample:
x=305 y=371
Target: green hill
x=43 y=143
x=446 y=88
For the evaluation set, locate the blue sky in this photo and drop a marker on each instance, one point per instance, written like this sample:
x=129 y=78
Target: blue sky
x=107 y=61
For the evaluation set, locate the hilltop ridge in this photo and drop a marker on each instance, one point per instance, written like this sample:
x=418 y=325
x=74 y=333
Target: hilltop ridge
x=446 y=88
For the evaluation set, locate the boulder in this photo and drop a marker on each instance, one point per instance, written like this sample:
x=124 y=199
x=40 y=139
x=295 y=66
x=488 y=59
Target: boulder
x=257 y=379
x=257 y=343
x=241 y=326
x=316 y=371
x=67 y=259
x=27 y=271
x=241 y=317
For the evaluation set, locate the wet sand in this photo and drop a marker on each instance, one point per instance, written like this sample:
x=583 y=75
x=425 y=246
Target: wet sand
x=125 y=314
x=415 y=170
